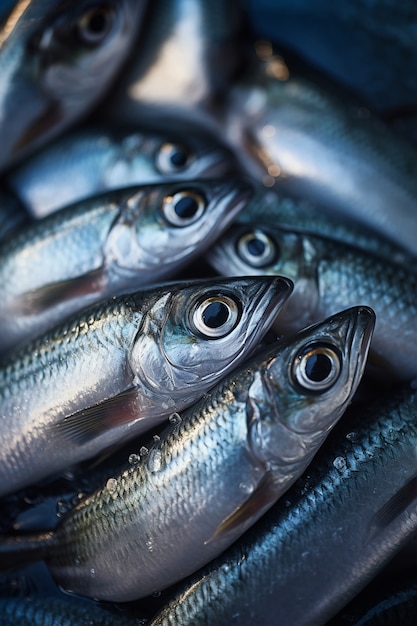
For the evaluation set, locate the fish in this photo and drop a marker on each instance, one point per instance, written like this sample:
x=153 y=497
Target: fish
x=327 y=276
x=212 y=473
x=42 y=610
x=339 y=524
x=57 y=59
x=186 y=58
x=107 y=245
x=117 y=369
x=13 y=215
x=94 y=159
x=290 y=132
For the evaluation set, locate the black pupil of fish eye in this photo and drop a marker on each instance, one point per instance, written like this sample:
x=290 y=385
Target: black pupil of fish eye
x=178 y=157
x=186 y=207
x=256 y=247
x=318 y=367
x=97 y=22
x=94 y=24
x=215 y=315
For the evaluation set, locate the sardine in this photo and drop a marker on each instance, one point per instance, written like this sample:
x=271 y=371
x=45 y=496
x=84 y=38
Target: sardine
x=211 y=474
x=329 y=275
x=329 y=535
x=117 y=242
x=187 y=55
x=56 y=60
x=95 y=159
x=44 y=610
x=290 y=132
x=123 y=366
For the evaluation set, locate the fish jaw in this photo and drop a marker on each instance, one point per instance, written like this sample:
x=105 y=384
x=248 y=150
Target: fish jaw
x=187 y=355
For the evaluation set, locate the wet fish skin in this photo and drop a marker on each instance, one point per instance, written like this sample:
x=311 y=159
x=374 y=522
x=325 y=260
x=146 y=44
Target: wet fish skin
x=121 y=367
x=42 y=610
x=12 y=214
x=204 y=40
x=95 y=159
x=328 y=275
x=56 y=61
x=290 y=132
x=104 y=246
x=356 y=506
x=230 y=456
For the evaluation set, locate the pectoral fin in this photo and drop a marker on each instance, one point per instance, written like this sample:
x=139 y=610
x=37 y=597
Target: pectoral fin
x=241 y=518
x=36 y=301
x=86 y=425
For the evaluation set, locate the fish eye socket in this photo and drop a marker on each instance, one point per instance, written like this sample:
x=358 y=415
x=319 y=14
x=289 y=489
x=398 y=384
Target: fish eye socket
x=256 y=248
x=215 y=316
x=94 y=25
x=172 y=158
x=317 y=368
x=183 y=208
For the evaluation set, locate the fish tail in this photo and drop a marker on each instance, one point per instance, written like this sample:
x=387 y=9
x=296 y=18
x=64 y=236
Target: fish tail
x=24 y=548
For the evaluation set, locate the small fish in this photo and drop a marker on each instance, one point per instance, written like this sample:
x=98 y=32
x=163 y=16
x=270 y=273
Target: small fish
x=290 y=132
x=212 y=473
x=328 y=275
x=44 y=610
x=94 y=159
x=184 y=60
x=107 y=245
x=56 y=60
x=327 y=538
x=123 y=366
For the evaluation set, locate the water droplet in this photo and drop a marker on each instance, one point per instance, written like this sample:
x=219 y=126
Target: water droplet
x=133 y=459
x=92 y=572
x=353 y=436
x=175 y=418
x=246 y=487
x=156 y=438
x=144 y=451
x=149 y=545
x=155 y=460
x=339 y=463
x=77 y=561
x=111 y=485
x=156 y=593
x=62 y=508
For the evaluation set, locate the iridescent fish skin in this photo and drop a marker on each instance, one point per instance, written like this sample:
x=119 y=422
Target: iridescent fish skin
x=216 y=471
x=104 y=246
x=123 y=366
x=13 y=215
x=328 y=275
x=56 y=60
x=96 y=159
x=326 y=539
x=186 y=58
x=290 y=132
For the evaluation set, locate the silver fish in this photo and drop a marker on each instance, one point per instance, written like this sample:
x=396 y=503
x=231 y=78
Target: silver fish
x=329 y=275
x=290 y=132
x=117 y=242
x=211 y=474
x=56 y=60
x=122 y=367
x=186 y=57
x=13 y=215
x=322 y=543
x=94 y=159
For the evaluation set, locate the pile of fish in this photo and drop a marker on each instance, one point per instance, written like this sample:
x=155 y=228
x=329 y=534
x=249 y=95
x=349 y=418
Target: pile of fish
x=208 y=322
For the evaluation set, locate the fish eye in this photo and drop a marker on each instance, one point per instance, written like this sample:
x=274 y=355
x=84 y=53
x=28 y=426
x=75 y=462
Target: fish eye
x=256 y=248
x=317 y=368
x=172 y=158
x=93 y=26
x=215 y=316
x=183 y=208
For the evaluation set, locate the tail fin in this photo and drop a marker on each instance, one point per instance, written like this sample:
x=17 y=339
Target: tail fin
x=24 y=548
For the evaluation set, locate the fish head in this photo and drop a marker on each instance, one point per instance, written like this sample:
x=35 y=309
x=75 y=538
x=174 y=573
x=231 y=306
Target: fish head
x=252 y=250
x=197 y=331
x=307 y=384
x=56 y=60
x=163 y=226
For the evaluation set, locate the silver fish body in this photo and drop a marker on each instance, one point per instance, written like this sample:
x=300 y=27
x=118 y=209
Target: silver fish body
x=291 y=132
x=94 y=160
x=329 y=275
x=122 y=367
x=211 y=475
x=326 y=539
x=12 y=214
x=56 y=60
x=185 y=59
x=104 y=246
